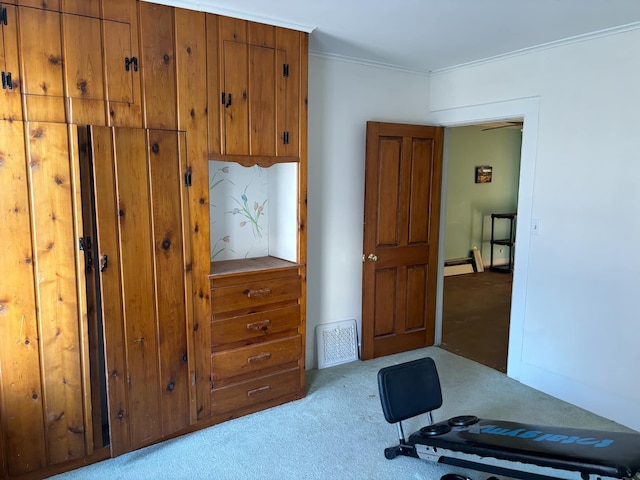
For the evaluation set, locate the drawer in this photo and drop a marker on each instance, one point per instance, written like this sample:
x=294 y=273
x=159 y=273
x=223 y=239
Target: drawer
x=244 y=327
x=255 y=391
x=252 y=358
x=254 y=294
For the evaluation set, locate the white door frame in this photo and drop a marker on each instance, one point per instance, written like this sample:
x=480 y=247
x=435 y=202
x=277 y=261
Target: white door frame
x=528 y=109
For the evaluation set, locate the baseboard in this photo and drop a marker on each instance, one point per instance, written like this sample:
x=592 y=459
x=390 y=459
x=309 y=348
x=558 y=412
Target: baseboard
x=594 y=400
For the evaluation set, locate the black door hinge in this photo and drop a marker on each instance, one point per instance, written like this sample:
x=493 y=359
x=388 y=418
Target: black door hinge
x=285 y=138
x=85 y=243
x=187 y=179
x=3 y=16
x=131 y=61
x=6 y=81
x=285 y=70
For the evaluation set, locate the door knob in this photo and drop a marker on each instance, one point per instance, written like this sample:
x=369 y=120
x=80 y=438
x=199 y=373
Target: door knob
x=373 y=257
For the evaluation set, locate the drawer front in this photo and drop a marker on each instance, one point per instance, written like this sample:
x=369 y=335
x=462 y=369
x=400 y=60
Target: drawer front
x=253 y=294
x=255 y=391
x=239 y=361
x=245 y=327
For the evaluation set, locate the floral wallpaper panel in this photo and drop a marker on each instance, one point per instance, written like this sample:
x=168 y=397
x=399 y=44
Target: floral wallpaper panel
x=239 y=209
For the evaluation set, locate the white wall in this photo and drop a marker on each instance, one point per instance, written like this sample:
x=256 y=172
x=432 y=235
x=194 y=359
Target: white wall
x=575 y=310
x=343 y=96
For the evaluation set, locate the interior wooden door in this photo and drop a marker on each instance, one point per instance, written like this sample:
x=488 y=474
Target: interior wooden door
x=141 y=217
x=44 y=392
x=402 y=207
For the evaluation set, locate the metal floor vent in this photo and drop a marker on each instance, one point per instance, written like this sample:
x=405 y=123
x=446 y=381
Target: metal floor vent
x=337 y=343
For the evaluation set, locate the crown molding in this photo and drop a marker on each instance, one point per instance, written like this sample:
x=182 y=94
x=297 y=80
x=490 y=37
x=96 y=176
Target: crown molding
x=198 y=6
x=367 y=63
x=545 y=46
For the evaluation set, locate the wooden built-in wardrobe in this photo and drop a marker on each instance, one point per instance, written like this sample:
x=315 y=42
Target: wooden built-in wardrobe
x=117 y=327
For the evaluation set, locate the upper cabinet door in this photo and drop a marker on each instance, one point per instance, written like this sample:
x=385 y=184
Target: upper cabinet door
x=159 y=63
x=99 y=67
x=259 y=91
x=11 y=105
x=84 y=72
x=234 y=99
x=42 y=62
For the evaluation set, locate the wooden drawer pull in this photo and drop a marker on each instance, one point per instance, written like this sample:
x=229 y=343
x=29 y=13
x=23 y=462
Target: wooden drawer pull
x=262 y=325
x=259 y=358
x=258 y=391
x=259 y=293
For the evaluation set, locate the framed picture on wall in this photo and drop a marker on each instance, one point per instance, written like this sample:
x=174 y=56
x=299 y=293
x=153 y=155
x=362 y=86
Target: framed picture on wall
x=483 y=174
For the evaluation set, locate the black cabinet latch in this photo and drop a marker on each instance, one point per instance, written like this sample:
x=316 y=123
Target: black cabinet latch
x=104 y=263
x=6 y=81
x=3 y=16
x=226 y=100
x=131 y=61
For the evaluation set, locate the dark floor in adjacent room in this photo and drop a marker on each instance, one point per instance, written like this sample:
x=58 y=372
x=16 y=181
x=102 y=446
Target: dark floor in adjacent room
x=475 y=317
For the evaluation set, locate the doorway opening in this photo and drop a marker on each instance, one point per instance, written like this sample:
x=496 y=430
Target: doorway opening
x=480 y=191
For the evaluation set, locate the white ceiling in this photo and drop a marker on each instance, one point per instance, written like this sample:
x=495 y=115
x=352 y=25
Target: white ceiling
x=427 y=35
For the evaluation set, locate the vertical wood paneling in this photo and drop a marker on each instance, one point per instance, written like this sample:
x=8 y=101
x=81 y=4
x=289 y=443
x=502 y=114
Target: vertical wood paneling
x=117 y=47
x=107 y=214
x=136 y=247
x=260 y=34
x=236 y=111
x=262 y=100
x=291 y=89
x=233 y=80
x=44 y=4
x=10 y=97
x=124 y=90
x=83 y=69
x=81 y=287
x=215 y=108
x=194 y=41
x=159 y=66
x=93 y=354
x=41 y=62
x=118 y=10
x=166 y=203
x=56 y=289
x=20 y=384
x=3 y=459
x=301 y=128
x=89 y=8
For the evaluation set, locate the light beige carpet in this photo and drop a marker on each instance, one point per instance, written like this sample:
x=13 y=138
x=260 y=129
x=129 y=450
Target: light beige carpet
x=338 y=430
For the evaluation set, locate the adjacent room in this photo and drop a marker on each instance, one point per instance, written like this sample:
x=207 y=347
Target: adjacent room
x=221 y=216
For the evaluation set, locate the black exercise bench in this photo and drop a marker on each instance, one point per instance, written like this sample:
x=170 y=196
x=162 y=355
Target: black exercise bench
x=518 y=450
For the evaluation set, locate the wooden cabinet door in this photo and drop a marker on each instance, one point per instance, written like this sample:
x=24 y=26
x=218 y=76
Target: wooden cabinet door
x=288 y=116
x=99 y=67
x=234 y=98
x=259 y=81
x=44 y=406
x=83 y=67
x=11 y=105
x=41 y=62
x=141 y=214
x=158 y=56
